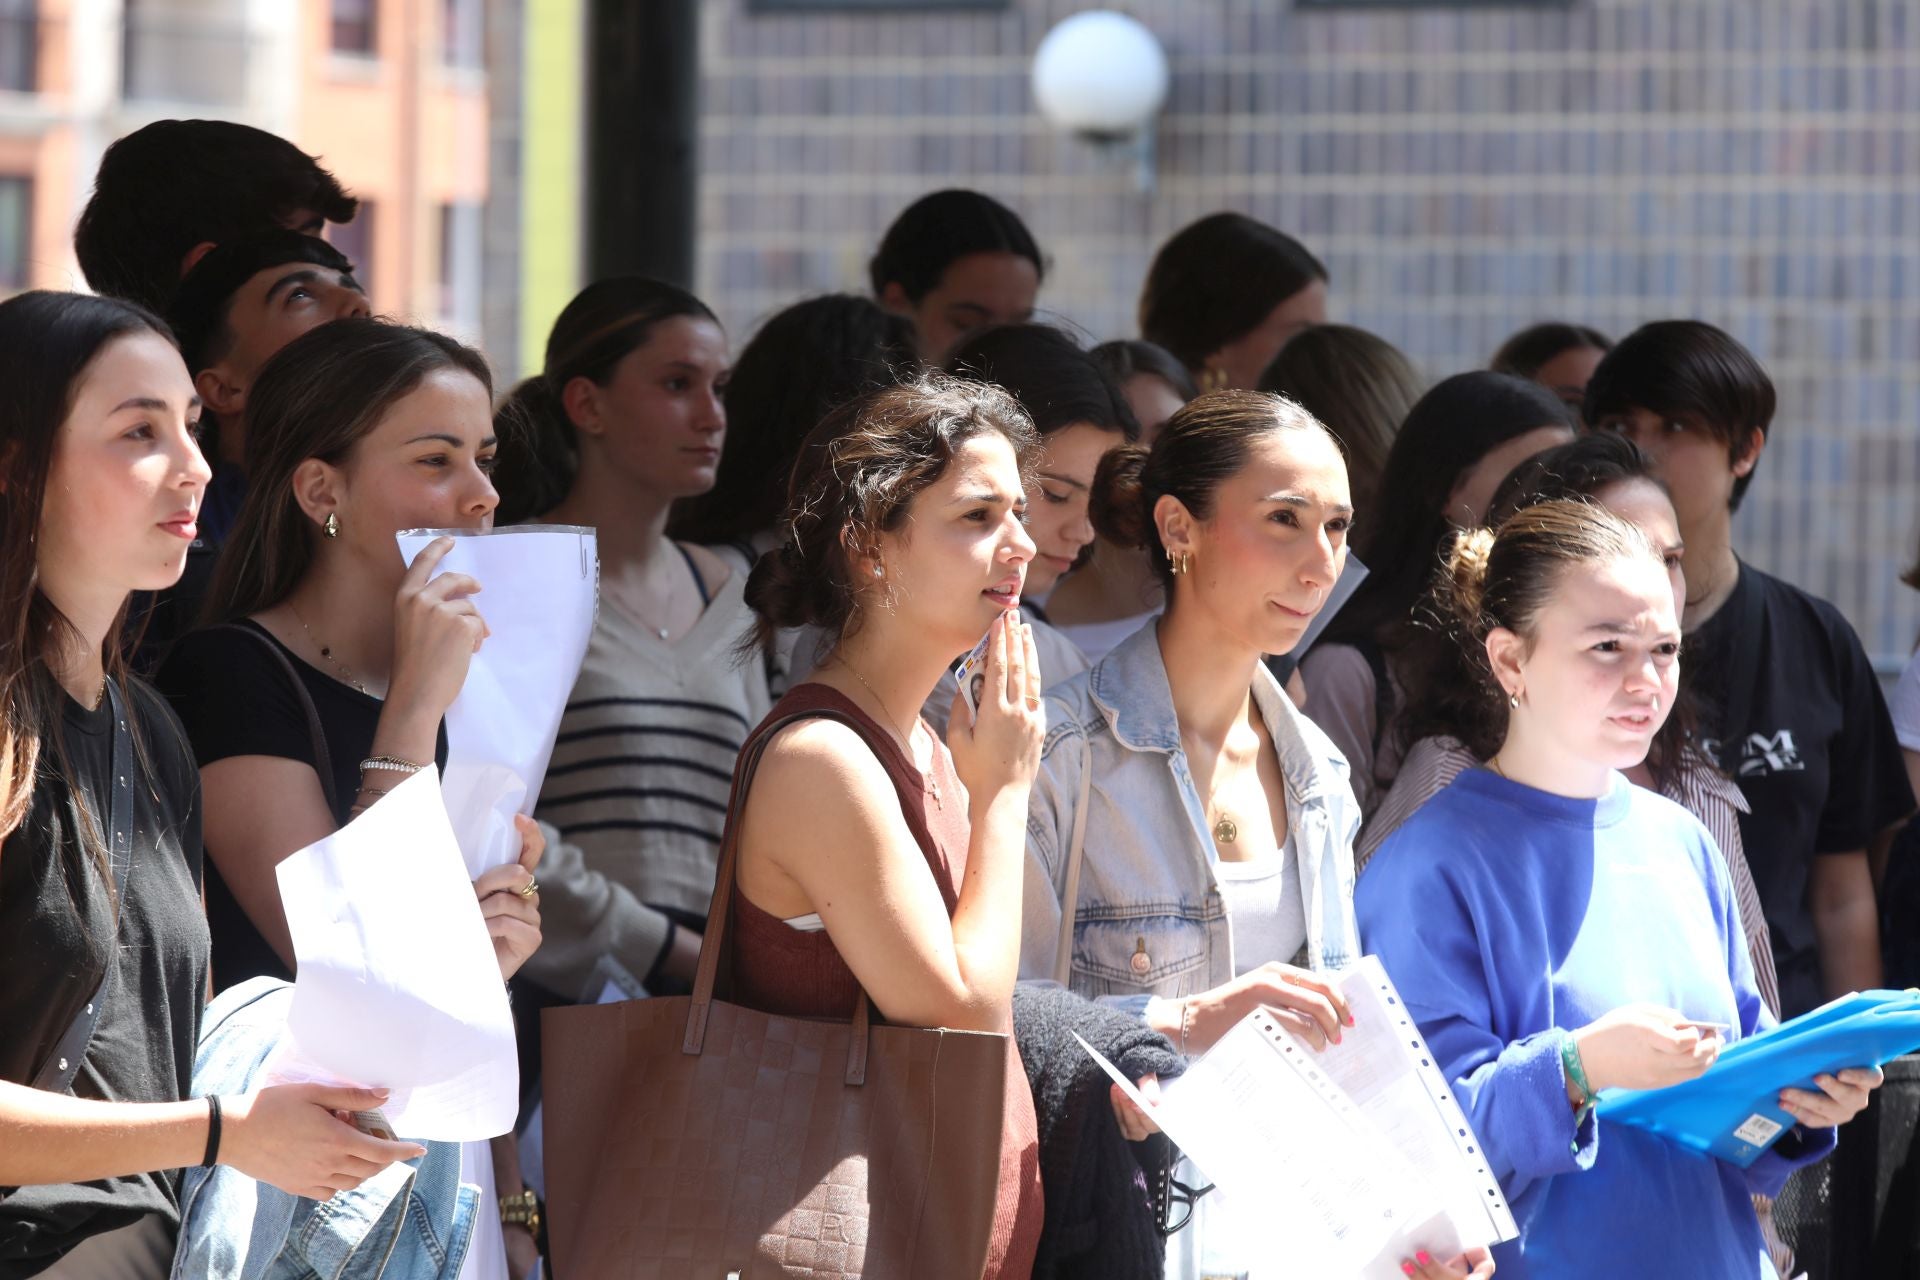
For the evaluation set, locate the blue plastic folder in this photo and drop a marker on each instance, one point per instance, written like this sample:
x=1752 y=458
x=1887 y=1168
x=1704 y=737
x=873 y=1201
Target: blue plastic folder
x=1732 y=1111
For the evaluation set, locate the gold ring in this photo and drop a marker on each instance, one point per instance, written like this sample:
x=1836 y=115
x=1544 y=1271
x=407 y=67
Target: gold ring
x=533 y=887
x=1033 y=704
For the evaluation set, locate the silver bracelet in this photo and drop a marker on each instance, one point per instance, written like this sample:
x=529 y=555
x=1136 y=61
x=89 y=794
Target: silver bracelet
x=393 y=763
x=1186 y=1021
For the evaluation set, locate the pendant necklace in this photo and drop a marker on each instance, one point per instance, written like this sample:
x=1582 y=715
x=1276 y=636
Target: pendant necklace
x=933 y=783
x=327 y=653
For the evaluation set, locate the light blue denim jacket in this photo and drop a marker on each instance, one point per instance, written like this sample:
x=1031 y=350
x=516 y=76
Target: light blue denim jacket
x=410 y=1221
x=1152 y=920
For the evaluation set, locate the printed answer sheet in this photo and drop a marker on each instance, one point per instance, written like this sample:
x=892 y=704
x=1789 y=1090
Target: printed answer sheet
x=539 y=588
x=1358 y=1156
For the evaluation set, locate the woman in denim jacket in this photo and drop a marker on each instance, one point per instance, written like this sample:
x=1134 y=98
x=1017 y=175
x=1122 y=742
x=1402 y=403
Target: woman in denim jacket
x=1217 y=865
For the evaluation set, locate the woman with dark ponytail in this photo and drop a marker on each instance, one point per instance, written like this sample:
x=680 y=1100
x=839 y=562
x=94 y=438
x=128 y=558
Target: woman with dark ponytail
x=1556 y=931
x=625 y=421
x=1217 y=825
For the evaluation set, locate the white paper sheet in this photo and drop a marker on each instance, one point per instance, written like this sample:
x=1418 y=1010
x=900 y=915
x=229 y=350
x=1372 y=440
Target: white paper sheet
x=539 y=585
x=1262 y=1121
x=1382 y=1062
x=397 y=984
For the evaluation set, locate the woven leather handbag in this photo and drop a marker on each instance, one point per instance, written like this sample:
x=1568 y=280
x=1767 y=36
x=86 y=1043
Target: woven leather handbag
x=688 y=1138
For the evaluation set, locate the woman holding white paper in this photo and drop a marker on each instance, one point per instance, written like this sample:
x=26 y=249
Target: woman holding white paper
x=333 y=682
x=1557 y=931
x=103 y=945
x=1216 y=830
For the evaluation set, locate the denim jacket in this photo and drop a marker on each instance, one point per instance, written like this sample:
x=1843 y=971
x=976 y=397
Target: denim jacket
x=1151 y=918
x=410 y=1221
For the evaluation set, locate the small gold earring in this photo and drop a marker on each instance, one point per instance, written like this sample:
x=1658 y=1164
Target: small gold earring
x=1180 y=562
x=332 y=526
x=1513 y=700
x=1213 y=379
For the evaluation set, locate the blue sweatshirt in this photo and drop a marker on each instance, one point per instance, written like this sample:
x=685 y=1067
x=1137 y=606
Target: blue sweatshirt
x=1508 y=917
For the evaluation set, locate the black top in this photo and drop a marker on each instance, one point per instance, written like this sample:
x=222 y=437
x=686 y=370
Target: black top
x=235 y=701
x=1813 y=751
x=56 y=936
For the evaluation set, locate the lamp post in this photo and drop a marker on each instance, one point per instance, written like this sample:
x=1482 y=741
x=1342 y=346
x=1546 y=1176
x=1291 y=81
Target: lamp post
x=1102 y=77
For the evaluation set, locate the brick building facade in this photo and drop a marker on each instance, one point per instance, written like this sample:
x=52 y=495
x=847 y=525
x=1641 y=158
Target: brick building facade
x=1463 y=172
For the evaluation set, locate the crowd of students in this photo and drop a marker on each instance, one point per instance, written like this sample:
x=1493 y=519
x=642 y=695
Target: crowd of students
x=1574 y=847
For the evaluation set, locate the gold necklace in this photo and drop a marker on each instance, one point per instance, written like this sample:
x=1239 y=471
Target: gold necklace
x=933 y=783
x=327 y=652
x=1225 y=830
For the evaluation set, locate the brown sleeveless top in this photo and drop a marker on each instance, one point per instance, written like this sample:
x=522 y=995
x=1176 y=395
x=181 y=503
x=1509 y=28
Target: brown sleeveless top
x=780 y=969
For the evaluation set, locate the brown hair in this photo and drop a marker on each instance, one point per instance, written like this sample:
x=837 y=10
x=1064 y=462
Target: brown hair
x=539 y=446
x=1359 y=386
x=1506 y=578
x=1216 y=280
x=1201 y=446
x=856 y=478
x=318 y=397
x=48 y=342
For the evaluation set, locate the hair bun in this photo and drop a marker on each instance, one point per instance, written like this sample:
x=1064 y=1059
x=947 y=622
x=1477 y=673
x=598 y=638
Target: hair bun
x=1466 y=575
x=1117 y=505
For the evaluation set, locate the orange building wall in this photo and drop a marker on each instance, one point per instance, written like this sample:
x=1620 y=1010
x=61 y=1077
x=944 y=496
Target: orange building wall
x=398 y=129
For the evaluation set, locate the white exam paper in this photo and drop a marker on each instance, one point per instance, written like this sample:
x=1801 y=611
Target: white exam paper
x=397 y=986
x=1261 y=1120
x=539 y=585
x=1383 y=1063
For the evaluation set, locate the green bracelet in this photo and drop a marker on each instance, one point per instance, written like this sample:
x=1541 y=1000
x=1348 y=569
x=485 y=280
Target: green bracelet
x=1577 y=1073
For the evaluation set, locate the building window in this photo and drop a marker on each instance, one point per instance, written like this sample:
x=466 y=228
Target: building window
x=462 y=33
x=354 y=27
x=19 y=44
x=355 y=240
x=460 y=264
x=16 y=230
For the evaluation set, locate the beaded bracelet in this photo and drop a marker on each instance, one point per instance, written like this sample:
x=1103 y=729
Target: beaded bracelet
x=393 y=763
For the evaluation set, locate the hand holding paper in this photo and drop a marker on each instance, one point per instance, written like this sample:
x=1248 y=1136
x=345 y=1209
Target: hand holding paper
x=540 y=584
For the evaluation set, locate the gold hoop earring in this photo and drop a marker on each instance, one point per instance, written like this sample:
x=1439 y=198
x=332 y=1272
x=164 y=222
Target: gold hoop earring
x=1212 y=379
x=332 y=526
x=1180 y=562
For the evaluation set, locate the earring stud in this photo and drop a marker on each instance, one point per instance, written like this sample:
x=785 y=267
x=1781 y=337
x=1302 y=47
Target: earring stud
x=1513 y=700
x=332 y=526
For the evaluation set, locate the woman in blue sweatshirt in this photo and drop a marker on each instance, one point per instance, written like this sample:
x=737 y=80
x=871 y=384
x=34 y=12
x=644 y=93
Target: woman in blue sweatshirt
x=1556 y=930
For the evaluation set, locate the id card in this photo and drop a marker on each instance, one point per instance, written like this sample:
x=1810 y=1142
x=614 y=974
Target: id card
x=373 y=1124
x=972 y=674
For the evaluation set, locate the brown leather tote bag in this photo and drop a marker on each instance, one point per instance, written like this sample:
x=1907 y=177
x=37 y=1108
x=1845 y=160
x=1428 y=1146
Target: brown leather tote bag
x=688 y=1138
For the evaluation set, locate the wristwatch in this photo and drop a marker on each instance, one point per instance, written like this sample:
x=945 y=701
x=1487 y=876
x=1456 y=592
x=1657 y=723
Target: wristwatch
x=522 y=1210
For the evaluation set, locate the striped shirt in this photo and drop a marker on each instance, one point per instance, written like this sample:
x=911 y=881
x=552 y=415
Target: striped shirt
x=639 y=782
x=1699 y=788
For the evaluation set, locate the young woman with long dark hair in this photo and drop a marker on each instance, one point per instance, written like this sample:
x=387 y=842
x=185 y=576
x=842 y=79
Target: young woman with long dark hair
x=355 y=431
x=1458 y=443
x=103 y=943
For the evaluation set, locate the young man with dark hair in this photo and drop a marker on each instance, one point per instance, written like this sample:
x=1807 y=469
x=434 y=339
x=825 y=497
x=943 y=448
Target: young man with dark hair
x=167 y=193
x=239 y=305
x=1790 y=705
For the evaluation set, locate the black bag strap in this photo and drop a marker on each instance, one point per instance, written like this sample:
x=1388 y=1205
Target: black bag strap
x=57 y=1072
x=322 y=760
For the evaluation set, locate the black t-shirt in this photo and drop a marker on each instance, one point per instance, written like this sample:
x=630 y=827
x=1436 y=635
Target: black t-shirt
x=57 y=935
x=235 y=701
x=1813 y=751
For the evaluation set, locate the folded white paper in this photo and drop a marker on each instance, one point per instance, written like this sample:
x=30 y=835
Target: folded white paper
x=539 y=585
x=397 y=984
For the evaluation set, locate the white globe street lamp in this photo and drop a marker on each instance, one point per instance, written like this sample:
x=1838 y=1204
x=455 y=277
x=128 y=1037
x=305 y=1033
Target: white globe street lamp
x=1102 y=76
